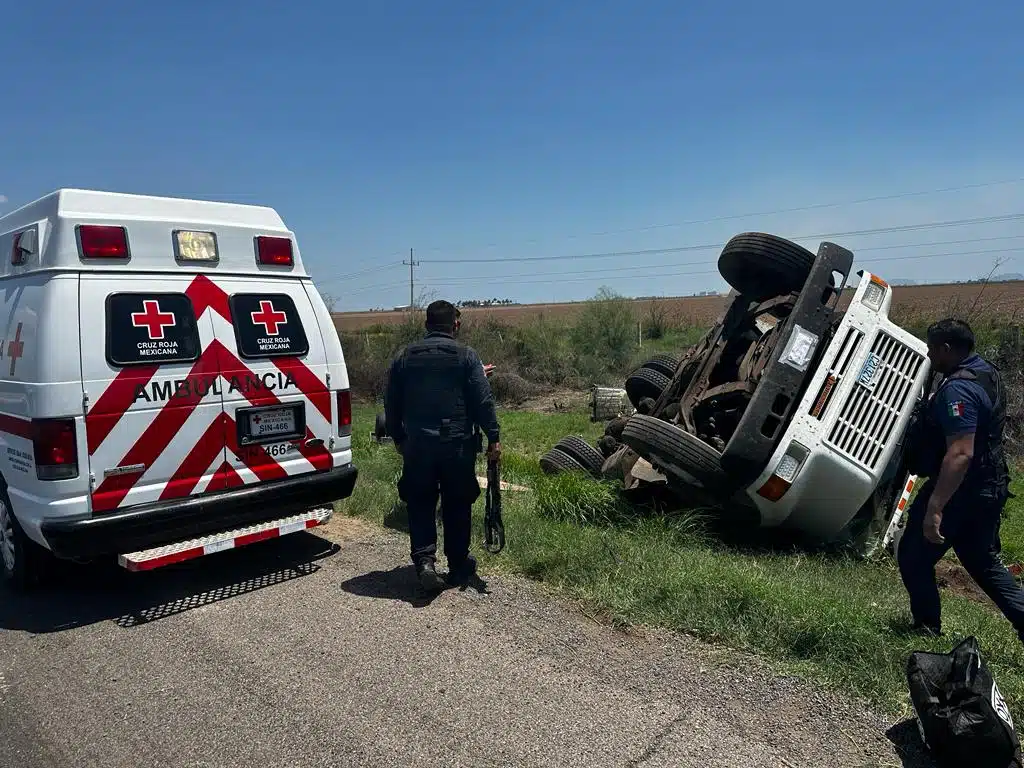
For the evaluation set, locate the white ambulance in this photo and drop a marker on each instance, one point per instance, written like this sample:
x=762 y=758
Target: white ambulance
x=171 y=383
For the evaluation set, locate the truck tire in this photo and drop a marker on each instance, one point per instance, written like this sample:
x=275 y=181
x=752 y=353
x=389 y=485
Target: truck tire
x=586 y=455
x=760 y=266
x=664 y=364
x=380 y=426
x=555 y=462
x=24 y=563
x=674 y=449
x=645 y=382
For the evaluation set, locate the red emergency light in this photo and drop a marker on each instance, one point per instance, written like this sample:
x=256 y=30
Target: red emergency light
x=102 y=242
x=344 y=412
x=275 y=251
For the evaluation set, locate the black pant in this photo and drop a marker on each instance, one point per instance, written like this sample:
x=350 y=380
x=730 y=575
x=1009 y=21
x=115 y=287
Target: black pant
x=434 y=468
x=971 y=527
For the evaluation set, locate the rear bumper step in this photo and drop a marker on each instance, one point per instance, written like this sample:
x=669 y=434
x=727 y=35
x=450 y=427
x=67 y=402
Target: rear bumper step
x=158 y=557
x=169 y=522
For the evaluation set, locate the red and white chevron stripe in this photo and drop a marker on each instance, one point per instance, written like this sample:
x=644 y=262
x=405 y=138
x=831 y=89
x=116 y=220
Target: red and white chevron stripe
x=167 y=446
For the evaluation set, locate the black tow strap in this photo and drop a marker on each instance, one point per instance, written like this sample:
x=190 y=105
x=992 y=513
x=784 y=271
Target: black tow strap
x=494 y=527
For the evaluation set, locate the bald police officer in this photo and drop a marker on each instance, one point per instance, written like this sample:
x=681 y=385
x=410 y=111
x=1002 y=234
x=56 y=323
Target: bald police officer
x=436 y=396
x=957 y=443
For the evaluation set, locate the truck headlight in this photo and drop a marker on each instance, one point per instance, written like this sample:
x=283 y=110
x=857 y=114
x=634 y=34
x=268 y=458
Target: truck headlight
x=785 y=473
x=874 y=293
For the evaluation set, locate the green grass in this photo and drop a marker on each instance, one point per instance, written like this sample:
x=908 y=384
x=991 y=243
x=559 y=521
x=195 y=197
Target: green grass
x=832 y=619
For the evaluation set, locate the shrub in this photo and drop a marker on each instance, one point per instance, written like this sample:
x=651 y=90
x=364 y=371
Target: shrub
x=606 y=330
x=512 y=389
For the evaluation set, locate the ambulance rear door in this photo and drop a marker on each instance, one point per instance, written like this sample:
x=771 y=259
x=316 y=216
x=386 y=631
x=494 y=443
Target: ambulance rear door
x=155 y=420
x=273 y=367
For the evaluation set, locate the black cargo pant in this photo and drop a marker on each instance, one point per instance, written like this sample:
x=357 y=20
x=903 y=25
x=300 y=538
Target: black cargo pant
x=971 y=527
x=434 y=468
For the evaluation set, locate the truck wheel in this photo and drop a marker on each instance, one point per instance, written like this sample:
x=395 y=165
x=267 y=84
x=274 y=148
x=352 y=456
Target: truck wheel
x=614 y=427
x=25 y=563
x=380 y=426
x=760 y=266
x=674 y=449
x=645 y=382
x=586 y=455
x=555 y=462
x=664 y=364
x=608 y=445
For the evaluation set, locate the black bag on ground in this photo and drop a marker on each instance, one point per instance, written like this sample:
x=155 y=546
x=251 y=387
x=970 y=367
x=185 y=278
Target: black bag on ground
x=963 y=719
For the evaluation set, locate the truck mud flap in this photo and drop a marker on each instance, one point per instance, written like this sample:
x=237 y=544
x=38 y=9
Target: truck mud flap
x=763 y=422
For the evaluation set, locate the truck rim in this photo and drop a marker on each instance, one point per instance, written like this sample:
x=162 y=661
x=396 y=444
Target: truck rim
x=7 y=537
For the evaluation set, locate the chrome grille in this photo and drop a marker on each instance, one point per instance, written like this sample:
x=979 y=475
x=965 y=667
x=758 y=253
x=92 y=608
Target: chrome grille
x=879 y=393
x=837 y=370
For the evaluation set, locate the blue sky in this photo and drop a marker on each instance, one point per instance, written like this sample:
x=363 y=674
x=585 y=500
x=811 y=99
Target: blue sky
x=486 y=130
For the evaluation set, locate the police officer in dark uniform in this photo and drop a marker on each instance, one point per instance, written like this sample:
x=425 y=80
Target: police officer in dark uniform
x=956 y=441
x=437 y=396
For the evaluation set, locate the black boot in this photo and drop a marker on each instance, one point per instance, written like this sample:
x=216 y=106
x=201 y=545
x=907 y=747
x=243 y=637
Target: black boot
x=428 y=578
x=461 y=572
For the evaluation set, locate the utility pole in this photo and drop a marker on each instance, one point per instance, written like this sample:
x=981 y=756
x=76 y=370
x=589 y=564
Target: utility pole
x=412 y=279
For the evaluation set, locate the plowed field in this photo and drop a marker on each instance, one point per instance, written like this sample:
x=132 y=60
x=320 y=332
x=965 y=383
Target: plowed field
x=1003 y=299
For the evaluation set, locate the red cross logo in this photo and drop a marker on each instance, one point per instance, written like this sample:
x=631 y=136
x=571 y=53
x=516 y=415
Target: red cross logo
x=152 y=319
x=269 y=318
x=15 y=348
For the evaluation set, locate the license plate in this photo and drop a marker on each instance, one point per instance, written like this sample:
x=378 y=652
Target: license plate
x=271 y=423
x=869 y=373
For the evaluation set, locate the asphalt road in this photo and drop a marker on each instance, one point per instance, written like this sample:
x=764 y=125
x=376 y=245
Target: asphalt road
x=308 y=652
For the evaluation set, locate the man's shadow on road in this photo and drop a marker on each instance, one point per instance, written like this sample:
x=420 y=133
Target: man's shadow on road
x=400 y=583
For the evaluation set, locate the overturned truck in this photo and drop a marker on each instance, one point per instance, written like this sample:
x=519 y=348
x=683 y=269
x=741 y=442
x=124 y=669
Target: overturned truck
x=788 y=407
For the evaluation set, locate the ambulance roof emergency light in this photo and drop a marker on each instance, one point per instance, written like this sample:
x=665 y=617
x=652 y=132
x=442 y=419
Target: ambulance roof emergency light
x=102 y=242
x=274 y=251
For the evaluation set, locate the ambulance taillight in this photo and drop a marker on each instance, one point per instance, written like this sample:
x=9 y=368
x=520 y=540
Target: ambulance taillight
x=55 y=445
x=102 y=242
x=344 y=412
x=274 y=251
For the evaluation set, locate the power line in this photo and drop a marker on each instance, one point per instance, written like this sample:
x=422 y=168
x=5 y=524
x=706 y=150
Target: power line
x=634 y=268
x=368 y=270
x=712 y=246
x=775 y=212
x=373 y=287
x=649 y=275
x=735 y=216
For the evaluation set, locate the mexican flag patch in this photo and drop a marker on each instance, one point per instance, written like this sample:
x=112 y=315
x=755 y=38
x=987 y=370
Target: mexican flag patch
x=956 y=409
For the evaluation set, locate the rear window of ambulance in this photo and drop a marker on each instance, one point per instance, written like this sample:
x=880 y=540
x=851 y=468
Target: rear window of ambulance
x=267 y=325
x=151 y=328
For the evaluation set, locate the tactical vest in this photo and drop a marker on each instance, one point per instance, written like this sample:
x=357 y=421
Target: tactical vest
x=926 y=442
x=434 y=370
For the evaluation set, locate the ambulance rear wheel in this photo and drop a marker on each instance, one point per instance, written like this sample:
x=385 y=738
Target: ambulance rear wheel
x=25 y=563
